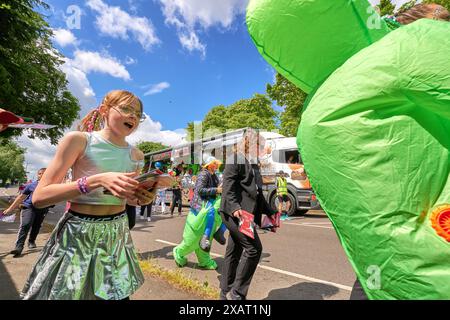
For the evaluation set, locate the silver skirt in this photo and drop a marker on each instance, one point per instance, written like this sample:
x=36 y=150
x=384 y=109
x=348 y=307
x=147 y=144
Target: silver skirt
x=86 y=259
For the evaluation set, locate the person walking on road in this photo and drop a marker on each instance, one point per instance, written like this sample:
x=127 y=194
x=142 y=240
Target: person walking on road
x=282 y=195
x=31 y=218
x=149 y=208
x=176 y=190
x=242 y=191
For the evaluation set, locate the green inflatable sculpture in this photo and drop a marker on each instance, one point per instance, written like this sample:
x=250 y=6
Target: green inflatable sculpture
x=193 y=232
x=375 y=135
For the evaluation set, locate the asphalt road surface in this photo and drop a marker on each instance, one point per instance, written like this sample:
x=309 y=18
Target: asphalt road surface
x=303 y=260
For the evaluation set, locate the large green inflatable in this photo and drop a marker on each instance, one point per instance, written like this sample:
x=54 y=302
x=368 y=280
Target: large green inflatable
x=193 y=232
x=375 y=135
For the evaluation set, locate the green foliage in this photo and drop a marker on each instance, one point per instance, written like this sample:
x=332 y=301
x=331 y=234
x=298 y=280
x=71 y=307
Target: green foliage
x=147 y=146
x=31 y=83
x=386 y=7
x=12 y=160
x=290 y=97
x=256 y=112
x=444 y=3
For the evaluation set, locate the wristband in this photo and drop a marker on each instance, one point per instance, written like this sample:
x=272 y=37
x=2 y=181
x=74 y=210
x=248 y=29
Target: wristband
x=82 y=185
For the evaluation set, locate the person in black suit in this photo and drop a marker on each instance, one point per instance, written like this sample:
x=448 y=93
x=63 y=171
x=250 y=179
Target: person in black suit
x=242 y=190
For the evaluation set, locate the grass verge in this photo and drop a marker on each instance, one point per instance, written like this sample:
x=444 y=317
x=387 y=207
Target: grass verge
x=180 y=280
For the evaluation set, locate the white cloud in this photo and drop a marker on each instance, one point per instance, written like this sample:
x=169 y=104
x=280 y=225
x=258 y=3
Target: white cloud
x=189 y=16
x=130 y=60
x=89 y=61
x=191 y=42
x=114 y=22
x=156 y=88
x=64 y=37
x=150 y=130
x=206 y=13
x=134 y=6
x=38 y=154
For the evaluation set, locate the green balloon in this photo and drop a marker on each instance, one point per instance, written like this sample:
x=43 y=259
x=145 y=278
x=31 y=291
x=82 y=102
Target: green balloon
x=307 y=40
x=375 y=141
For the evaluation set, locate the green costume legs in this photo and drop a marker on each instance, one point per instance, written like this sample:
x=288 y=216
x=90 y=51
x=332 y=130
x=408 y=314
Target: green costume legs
x=193 y=231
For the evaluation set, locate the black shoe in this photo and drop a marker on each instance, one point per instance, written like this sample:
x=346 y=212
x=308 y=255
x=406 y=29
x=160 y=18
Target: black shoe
x=16 y=252
x=32 y=245
x=235 y=296
x=223 y=295
x=219 y=237
x=205 y=245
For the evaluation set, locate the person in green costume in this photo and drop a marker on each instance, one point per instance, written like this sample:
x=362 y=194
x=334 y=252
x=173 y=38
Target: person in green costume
x=203 y=221
x=374 y=132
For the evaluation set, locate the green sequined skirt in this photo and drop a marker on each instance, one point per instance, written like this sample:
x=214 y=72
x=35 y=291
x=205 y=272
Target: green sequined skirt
x=86 y=259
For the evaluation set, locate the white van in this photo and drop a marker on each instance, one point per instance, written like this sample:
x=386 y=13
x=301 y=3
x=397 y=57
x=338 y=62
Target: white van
x=282 y=155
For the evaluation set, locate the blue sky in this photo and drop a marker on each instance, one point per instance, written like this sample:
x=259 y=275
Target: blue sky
x=195 y=80
x=181 y=57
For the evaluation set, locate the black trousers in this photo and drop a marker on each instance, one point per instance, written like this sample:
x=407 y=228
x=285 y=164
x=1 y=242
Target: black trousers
x=176 y=198
x=358 y=292
x=241 y=258
x=29 y=219
x=149 y=210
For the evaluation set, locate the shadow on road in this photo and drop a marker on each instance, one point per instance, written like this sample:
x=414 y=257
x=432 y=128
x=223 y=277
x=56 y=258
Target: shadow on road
x=303 y=291
x=165 y=253
x=8 y=289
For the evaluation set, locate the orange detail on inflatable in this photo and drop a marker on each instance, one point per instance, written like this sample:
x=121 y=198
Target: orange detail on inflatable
x=440 y=220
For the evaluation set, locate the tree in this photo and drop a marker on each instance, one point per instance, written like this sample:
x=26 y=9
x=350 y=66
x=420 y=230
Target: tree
x=386 y=7
x=147 y=146
x=31 y=82
x=444 y=3
x=256 y=112
x=11 y=160
x=290 y=97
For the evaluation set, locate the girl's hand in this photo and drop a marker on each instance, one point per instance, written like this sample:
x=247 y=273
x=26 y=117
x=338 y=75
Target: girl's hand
x=145 y=197
x=121 y=185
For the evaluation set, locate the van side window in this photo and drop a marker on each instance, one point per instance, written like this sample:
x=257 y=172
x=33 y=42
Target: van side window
x=292 y=157
x=287 y=156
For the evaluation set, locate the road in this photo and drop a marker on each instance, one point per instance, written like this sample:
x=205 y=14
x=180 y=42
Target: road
x=303 y=260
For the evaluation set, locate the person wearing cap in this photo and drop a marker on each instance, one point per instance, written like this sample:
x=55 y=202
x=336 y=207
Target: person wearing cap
x=200 y=222
x=207 y=187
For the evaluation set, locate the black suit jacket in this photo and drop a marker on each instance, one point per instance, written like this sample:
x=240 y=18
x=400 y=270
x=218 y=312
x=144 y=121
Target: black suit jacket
x=242 y=189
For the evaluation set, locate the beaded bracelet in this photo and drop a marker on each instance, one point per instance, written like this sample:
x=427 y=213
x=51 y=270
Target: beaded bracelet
x=82 y=185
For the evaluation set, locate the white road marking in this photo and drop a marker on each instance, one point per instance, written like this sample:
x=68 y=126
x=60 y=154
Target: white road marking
x=327 y=223
x=306 y=225
x=288 y=273
x=300 y=276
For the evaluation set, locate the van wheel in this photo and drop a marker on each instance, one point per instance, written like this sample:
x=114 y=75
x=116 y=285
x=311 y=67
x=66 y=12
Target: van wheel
x=274 y=204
